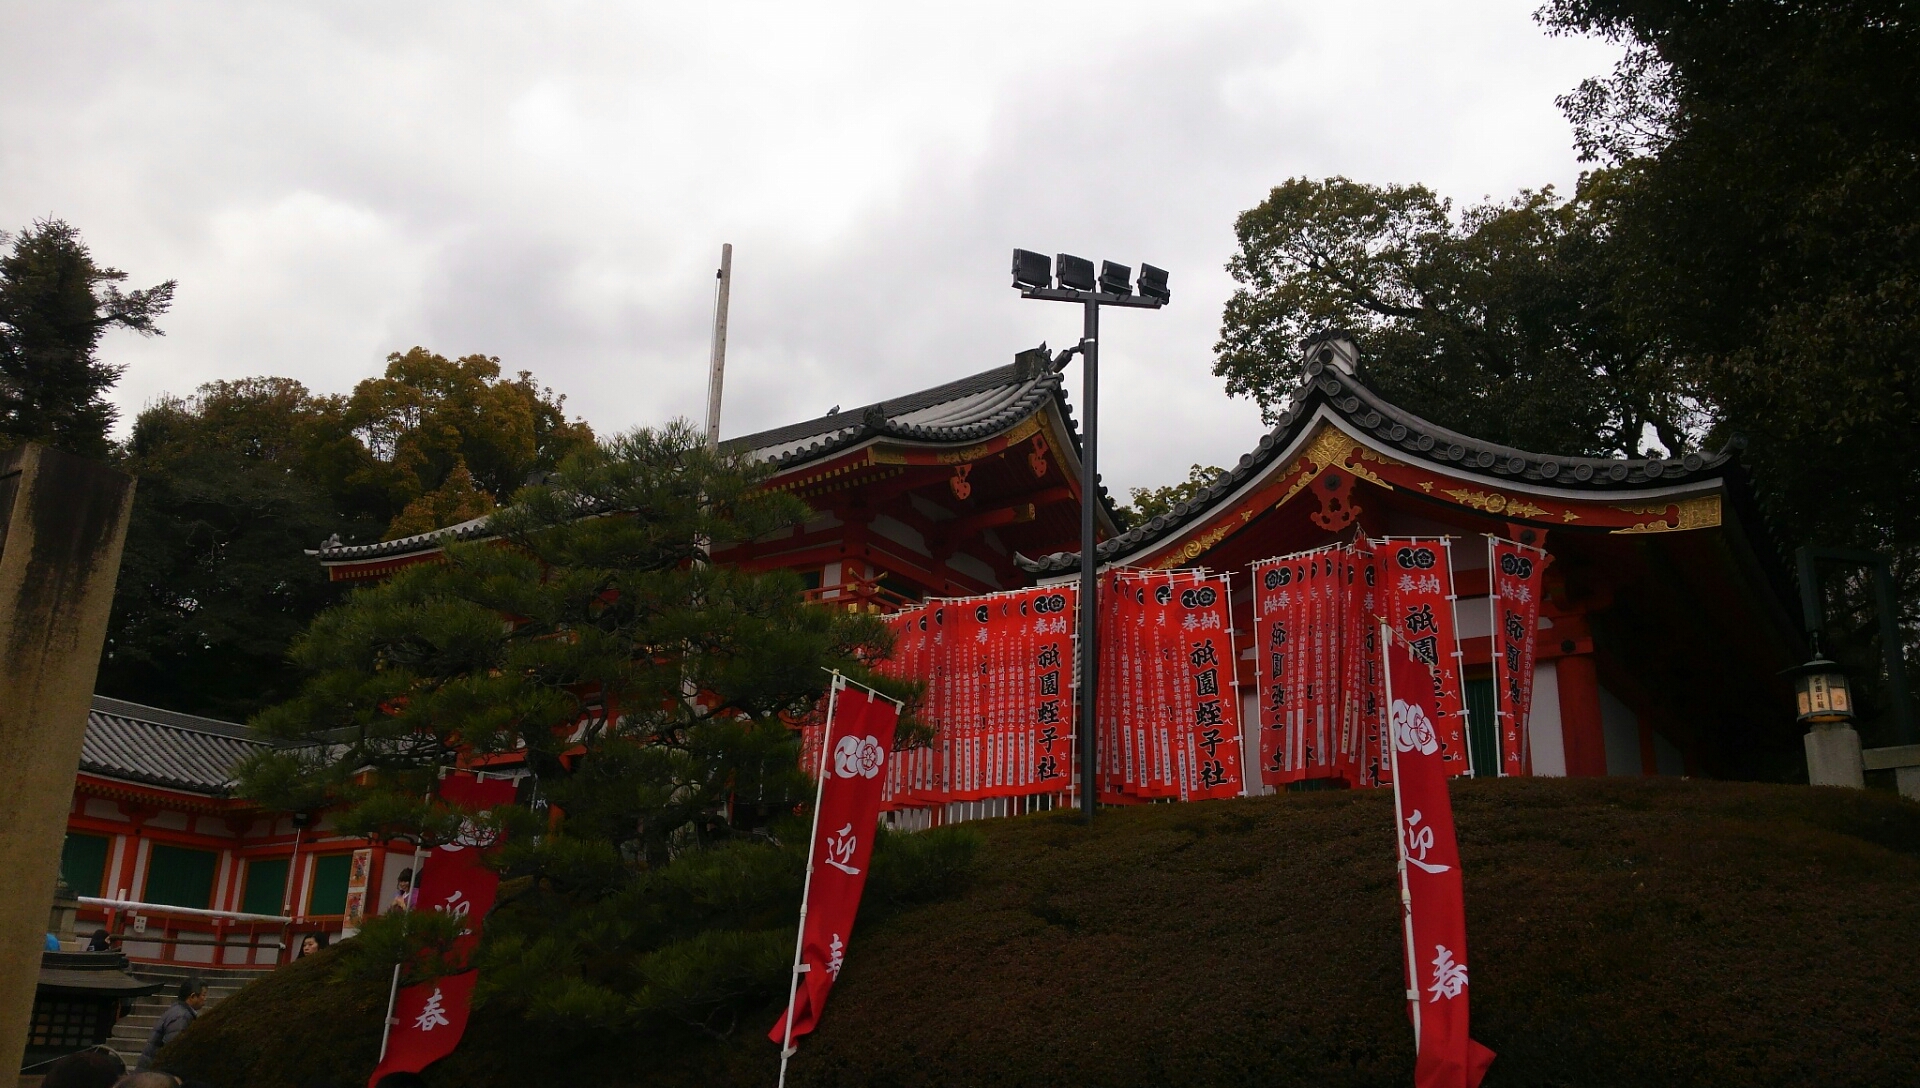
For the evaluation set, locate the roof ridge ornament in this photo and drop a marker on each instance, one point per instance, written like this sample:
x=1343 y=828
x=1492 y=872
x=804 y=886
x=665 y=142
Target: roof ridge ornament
x=1332 y=349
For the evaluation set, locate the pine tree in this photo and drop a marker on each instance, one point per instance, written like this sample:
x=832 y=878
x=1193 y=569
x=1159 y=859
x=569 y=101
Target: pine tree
x=657 y=895
x=55 y=304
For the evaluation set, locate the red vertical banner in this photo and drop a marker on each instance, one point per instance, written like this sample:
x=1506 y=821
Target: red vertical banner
x=1210 y=745
x=1367 y=610
x=1274 y=644
x=1419 y=577
x=430 y=1017
x=859 y=737
x=1433 y=899
x=1045 y=720
x=1518 y=572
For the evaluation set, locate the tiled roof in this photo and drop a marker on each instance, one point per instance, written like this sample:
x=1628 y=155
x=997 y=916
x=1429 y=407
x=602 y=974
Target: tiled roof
x=156 y=747
x=1395 y=428
x=965 y=410
x=968 y=409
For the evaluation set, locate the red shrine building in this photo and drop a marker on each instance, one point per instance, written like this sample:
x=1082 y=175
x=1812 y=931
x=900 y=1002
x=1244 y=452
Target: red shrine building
x=1664 y=618
x=155 y=822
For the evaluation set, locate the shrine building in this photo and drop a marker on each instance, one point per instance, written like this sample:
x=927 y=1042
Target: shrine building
x=154 y=821
x=1666 y=619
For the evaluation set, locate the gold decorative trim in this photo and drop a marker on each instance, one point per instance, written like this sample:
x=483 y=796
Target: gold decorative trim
x=1025 y=429
x=1699 y=512
x=1306 y=477
x=1192 y=549
x=1493 y=502
x=1329 y=446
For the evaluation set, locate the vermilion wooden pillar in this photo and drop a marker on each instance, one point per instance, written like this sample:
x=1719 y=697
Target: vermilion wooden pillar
x=1580 y=728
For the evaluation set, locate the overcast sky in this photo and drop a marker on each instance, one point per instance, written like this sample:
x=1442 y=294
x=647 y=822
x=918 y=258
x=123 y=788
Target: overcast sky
x=551 y=182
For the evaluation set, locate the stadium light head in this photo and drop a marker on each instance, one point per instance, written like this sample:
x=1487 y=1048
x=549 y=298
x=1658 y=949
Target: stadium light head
x=1076 y=273
x=1115 y=279
x=1153 y=283
x=1032 y=270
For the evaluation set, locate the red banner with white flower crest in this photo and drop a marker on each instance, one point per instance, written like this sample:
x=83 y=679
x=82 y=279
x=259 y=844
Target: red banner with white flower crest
x=1419 y=577
x=429 y=1017
x=1518 y=573
x=1432 y=896
x=858 y=744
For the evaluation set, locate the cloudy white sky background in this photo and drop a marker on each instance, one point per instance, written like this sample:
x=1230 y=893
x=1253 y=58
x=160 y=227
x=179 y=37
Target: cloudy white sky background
x=551 y=182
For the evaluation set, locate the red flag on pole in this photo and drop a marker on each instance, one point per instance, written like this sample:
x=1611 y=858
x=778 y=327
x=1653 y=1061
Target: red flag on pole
x=859 y=742
x=1433 y=902
x=1419 y=591
x=429 y=1018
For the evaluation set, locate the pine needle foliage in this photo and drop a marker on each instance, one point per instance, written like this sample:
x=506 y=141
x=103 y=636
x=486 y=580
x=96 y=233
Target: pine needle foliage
x=644 y=688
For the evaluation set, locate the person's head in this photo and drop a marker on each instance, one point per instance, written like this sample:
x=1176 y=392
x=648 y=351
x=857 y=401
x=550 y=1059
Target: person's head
x=193 y=993
x=406 y=881
x=97 y=1067
x=311 y=943
x=102 y=938
x=152 y=1078
x=401 y=1080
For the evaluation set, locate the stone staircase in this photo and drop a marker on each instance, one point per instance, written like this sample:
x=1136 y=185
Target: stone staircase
x=131 y=1033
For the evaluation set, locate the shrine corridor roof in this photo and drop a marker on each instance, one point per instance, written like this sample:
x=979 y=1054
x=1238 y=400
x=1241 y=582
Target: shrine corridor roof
x=965 y=410
x=166 y=748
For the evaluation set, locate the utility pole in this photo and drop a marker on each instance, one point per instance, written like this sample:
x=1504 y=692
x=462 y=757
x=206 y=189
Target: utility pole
x=1034 y=275
x=717 y=366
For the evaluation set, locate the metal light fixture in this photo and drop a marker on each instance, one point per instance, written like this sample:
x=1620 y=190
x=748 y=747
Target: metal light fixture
x=1032 y=270
x=1077 y=285
x=1076 y=273
x=1821 y=691
x=1153 y=284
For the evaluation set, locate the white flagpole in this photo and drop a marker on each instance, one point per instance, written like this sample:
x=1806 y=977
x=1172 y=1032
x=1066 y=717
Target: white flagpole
x=1460 y=659
x=1399 y=834
x=1493 y=648
x=813 y=836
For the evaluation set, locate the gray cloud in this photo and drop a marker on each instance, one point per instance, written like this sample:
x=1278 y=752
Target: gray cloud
x=550 y=183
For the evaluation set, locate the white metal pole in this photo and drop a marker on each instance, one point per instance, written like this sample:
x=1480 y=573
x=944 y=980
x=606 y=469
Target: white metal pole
x=806 y=885
x=717 y=363
x=1493 y=646
x=1400 y=836
x=1460 y=661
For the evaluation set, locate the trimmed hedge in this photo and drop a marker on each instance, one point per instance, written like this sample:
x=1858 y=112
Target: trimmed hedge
x=1621 y=931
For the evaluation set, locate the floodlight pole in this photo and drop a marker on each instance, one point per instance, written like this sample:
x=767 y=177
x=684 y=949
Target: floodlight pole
x=1086 y=727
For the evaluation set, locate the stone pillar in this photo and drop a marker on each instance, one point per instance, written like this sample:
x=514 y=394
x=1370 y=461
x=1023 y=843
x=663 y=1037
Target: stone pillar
x=1581 y=729
x=1833 y=757
x=63 y=520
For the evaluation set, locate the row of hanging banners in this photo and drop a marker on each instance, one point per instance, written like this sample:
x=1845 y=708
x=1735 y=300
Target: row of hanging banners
x=1000 y=681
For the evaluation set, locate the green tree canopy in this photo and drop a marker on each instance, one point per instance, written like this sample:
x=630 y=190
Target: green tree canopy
x=428 y=415
x=240 y=480
x=55 y=305
x=663 y=895
x=215 y=581
x=1504 y=321
x=1150 y=502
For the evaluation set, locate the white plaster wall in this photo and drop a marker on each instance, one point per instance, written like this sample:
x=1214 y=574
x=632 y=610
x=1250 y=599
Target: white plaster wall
x=973 y=568
x=1621 y=728
x=900 y=533
x=1544 y=740
x=172 y=821
x=102 y=809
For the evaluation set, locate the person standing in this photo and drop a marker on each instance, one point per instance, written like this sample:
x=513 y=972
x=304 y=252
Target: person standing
x=403 y=892
x=193 y=997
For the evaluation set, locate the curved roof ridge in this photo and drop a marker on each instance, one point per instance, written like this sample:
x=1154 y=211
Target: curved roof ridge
x=1367 y=412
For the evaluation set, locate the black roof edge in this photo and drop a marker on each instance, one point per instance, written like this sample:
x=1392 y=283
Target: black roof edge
x=1413 y=437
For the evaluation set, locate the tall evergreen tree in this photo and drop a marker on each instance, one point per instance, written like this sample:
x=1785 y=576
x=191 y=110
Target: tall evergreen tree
x=657 y=897
x=55 y=305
